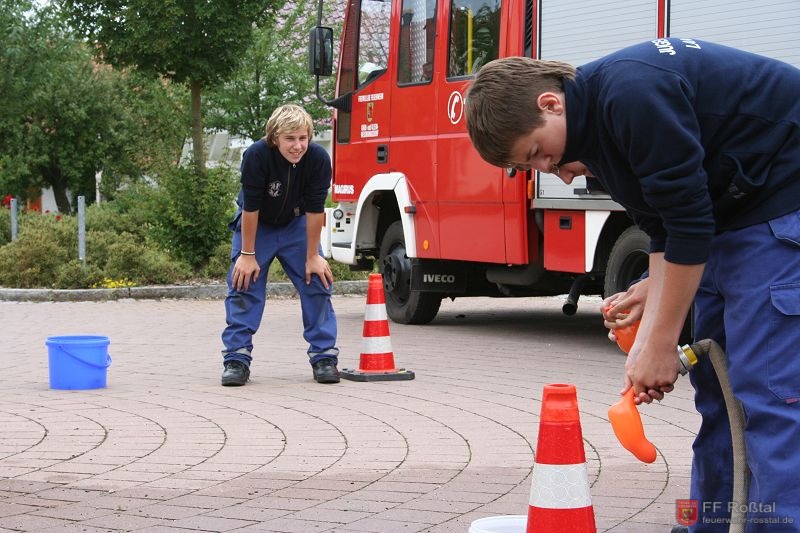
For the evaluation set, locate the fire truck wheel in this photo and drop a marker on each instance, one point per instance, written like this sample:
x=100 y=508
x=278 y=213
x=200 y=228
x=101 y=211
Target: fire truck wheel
x=627 y=261
x=403 y=305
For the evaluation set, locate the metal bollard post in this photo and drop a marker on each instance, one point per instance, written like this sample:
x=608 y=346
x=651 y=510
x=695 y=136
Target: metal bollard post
x=13 y=219
x=82 y=229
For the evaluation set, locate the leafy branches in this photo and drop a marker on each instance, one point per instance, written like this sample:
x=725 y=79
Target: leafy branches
x=194 y=42
x=273 y=71
x=63 y=116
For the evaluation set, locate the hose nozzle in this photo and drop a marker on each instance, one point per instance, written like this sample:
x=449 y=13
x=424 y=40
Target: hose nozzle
x=687 y=358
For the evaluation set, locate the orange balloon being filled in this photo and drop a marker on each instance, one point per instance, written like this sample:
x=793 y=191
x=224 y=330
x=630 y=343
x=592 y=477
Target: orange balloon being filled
x=623 y=415
x=625 y=336
x=627 y=425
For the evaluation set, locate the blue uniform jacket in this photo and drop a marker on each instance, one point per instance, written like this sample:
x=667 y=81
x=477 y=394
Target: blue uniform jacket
x=691 y=137
x=280 y=190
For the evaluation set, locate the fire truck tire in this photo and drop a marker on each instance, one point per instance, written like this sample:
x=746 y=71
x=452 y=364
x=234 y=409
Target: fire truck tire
x=403 y=305
x=627 y=261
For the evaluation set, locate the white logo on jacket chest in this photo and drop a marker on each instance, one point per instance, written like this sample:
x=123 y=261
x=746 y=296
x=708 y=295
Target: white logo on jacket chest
x=274 y=188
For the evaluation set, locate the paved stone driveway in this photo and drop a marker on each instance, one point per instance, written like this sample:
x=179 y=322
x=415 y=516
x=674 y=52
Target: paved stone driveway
x=166 y=448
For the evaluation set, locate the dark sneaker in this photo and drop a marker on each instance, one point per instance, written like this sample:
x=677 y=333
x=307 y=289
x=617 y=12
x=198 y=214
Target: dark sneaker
x=325 y=371
x=236 y=374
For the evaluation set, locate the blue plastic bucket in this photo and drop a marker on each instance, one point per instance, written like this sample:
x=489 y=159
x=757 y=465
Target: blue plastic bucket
x=78 y=361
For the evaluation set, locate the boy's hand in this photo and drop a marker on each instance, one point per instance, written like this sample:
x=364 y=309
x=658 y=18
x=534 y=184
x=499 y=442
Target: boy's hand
x=651 y=368
x=316 y=264
x=245 y=271
x=624 y=309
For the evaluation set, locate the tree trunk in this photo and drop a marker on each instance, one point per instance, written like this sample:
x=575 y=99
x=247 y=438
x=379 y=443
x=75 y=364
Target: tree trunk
x=52 y=177
x=199 y=154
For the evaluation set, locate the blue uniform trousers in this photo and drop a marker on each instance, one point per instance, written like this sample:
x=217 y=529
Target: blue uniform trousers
x=749 y=302
x=244 y=309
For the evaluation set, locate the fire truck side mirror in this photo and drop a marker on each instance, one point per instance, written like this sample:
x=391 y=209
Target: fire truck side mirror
x=320 y=51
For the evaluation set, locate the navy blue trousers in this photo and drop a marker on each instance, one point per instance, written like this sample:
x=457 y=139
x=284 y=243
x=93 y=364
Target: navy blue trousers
x=244 y=309
x=749 y=302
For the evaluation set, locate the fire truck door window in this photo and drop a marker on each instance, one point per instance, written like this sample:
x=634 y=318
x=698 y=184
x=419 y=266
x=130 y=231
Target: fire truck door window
x=474 y=35
x=417 y=31
x=373 y=46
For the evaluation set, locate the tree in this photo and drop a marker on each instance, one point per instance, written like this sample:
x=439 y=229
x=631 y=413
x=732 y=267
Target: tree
x=196 y=42
x=63 y=116
x=14 y=70
x=272 y=74
x=144 y=129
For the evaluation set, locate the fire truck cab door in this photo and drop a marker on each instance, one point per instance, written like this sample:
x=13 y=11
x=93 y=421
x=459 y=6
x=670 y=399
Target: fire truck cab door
x=412 y=150
x=363 y=132
x=469 y=190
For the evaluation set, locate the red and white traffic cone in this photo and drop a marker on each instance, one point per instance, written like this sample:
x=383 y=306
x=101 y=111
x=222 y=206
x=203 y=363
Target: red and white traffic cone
x=560 y=498
x=377 y=358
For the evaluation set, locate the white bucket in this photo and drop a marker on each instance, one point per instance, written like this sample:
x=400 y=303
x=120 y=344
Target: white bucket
x=500 y=524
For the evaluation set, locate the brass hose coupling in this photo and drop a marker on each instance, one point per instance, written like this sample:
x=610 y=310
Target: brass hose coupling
x=686 y=359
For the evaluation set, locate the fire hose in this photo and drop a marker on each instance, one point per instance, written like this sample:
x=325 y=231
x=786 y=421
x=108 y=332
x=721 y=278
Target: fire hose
x=628 y=428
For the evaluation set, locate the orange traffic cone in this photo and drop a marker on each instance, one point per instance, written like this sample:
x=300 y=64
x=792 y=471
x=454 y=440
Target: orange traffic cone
x=560 y=497
x=377 y=358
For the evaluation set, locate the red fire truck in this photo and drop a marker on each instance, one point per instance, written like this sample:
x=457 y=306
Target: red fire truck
x=414 y=195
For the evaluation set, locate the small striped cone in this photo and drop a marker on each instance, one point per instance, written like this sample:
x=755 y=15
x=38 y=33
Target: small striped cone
x=377 y=358
x=560 y=498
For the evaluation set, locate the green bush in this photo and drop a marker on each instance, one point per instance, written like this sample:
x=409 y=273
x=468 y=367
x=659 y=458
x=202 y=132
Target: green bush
x=62 y=228
x=133 y=210
x=219 y=263
x=99 y=242
x=143 y=265
x=194 y=211
x=5 y=226
x=75 y=275
x=104 y=217
x=32 y=260
x=146 y=235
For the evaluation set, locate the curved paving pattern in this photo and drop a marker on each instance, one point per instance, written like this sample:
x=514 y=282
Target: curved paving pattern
x=165 y=448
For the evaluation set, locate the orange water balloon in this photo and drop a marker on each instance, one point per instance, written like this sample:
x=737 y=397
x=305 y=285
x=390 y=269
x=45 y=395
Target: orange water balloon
x=626 y=335
x=627 y=425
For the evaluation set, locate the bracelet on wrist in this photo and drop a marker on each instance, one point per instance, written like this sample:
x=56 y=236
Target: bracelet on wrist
x=247 y=253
